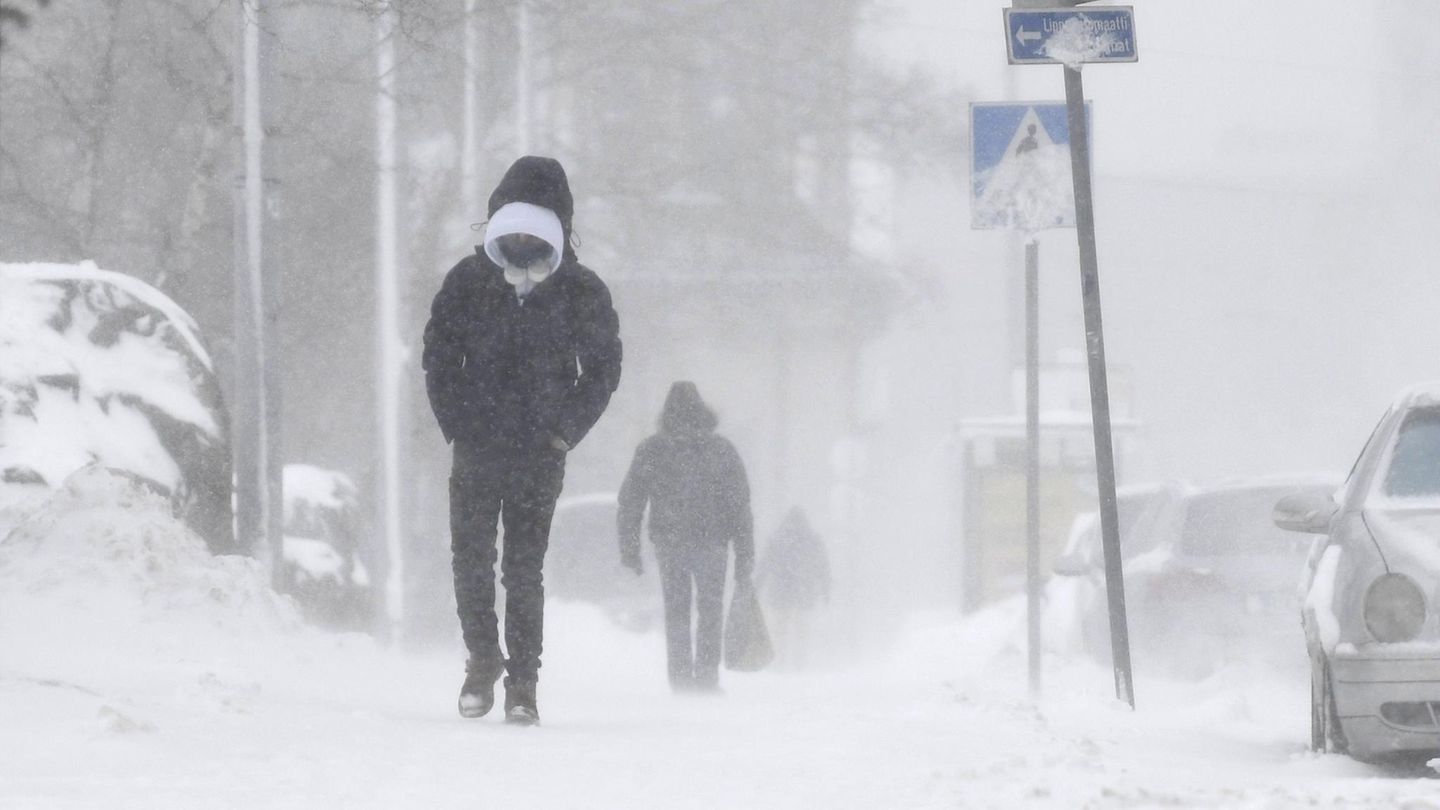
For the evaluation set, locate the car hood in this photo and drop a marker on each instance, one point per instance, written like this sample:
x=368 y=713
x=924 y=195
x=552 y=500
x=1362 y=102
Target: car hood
x=1408 y=537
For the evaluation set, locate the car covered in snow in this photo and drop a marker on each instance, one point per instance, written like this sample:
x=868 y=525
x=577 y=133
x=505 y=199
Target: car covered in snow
x=1371 y=587
x=1209 y=579
x=324 y=569
x=583 y=562
x=100 y=369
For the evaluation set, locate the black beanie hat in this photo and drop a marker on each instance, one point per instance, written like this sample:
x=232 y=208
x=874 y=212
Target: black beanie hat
x=539 y=181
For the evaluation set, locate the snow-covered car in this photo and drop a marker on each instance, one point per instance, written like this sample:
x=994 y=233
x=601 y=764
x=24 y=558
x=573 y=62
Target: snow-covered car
x=1077 y=595
x=1136 y=505
x=101 y=369
x=1209 y=580
x=323 y=567
x=583 y=563
x=1370 y=588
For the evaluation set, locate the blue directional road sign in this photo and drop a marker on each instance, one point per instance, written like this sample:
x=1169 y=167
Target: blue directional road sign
x=1051 y=36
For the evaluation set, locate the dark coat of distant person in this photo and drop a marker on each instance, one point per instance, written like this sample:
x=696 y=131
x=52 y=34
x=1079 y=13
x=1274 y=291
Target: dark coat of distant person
x=795 y=571
x=694 y=482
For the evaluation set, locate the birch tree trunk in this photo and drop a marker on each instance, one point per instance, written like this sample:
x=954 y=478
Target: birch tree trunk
x=254 y=436
x=389 y=351
x=470 y=141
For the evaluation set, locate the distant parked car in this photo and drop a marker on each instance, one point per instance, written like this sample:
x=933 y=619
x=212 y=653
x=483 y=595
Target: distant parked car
x=323 y=569
x=1140 y=505
x=1371 y=587
x=1208 y=578
x=99 y=368
x=583 y=563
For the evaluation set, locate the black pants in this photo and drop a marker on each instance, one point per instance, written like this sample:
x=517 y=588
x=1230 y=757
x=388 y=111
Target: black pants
x=687 y=571
x=519 y=488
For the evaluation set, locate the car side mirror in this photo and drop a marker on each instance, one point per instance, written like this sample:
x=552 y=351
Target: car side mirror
x=1071 y=565
x=1305 y=512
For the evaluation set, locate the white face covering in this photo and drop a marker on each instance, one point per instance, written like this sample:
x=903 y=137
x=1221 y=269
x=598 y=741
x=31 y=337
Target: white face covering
x=542 y=223
x=525 y=278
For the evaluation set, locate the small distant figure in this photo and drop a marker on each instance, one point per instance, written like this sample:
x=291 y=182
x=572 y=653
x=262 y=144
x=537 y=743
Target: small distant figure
x=1027 y=143
x=694 y=483
x=794 y=579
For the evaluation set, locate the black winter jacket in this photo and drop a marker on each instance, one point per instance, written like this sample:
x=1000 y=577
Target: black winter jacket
x=694 y=483
x=502 y=372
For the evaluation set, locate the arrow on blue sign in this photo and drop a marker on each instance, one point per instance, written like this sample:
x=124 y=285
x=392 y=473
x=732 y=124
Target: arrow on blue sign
x=1050 y=36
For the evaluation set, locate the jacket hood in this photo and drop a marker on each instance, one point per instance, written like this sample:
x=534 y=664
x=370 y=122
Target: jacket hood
x=685 y=411
x=538 y=181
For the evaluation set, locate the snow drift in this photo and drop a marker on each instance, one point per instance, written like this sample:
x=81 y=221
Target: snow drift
x=103 y=576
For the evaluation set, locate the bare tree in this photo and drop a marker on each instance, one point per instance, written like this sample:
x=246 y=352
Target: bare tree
x=14 y=15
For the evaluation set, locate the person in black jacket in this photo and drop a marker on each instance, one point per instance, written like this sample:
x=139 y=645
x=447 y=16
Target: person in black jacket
x=522 y=353
x=694 y=484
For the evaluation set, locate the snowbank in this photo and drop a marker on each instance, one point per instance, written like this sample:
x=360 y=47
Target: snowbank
x=139 y=671
x=102 y=576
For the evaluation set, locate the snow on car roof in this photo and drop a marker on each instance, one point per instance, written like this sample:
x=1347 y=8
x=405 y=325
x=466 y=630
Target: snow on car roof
x=330 y=489
x=72 y=393
x=1419 y=395
x=185 y=326
x=1269 y=481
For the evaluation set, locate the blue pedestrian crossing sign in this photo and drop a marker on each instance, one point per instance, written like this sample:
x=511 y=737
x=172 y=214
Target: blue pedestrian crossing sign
x=1070 y=36
x=1020 y=166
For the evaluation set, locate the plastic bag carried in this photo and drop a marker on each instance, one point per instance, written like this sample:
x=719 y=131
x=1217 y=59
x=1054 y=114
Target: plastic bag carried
x=747 y=640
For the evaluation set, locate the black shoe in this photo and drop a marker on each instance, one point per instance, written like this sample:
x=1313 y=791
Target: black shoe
x=520 y=703
x=477 y=696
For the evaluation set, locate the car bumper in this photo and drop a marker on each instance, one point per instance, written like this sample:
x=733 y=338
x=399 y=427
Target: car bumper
x=1387 y=702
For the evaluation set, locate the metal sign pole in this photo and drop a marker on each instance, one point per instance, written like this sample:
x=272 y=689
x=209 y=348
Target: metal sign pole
x=1099 y=386
x=1032 y=457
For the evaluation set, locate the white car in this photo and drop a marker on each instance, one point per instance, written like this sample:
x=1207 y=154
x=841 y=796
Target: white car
x=583 y=563
x=323 y=567
x=99 y=368
x=1209 y=580
x=1371 y=587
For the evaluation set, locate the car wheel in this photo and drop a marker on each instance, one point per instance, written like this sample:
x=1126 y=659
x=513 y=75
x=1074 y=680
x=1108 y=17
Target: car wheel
x=1325 y=732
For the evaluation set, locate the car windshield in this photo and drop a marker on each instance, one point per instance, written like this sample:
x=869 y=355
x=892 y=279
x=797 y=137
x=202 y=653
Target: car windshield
x=1235 y=522
x=1415 y=463
x=1135 y=512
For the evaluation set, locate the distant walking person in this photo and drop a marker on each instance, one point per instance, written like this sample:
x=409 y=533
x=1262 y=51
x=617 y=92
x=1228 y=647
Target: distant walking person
x=694 y=483
x=522 y=353
x=794 y=578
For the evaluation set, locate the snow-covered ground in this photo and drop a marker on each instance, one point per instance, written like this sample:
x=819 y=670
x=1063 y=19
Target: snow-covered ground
x=137 y=671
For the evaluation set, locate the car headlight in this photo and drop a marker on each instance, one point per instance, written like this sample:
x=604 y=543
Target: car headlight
x=1394 y=608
